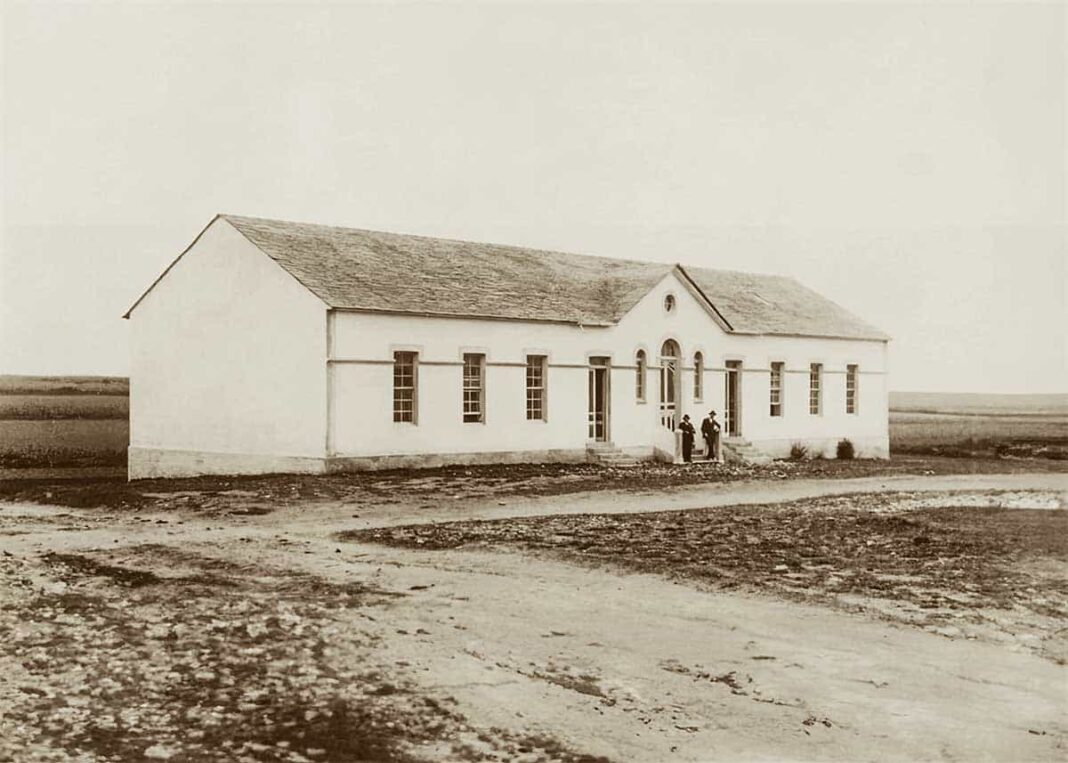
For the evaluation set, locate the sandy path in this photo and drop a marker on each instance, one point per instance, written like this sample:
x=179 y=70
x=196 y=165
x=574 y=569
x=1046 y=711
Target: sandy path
x=496 y=623
x=454 y=508
x=635 y=667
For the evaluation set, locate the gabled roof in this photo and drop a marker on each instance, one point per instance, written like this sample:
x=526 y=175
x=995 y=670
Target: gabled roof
x=372 y=271
x=767 y=304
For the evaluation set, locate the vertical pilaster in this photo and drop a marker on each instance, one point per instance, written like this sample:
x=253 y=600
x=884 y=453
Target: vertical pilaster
x=330 y=371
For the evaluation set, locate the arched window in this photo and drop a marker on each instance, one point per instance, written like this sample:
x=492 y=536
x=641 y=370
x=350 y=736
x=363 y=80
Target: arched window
x=639 y=379
x=698 y=376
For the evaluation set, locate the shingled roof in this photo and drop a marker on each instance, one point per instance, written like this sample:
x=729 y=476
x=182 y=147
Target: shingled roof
x=388 y=272
x=755 y=303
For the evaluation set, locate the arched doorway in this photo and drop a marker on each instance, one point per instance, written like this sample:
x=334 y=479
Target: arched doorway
x=669 y=383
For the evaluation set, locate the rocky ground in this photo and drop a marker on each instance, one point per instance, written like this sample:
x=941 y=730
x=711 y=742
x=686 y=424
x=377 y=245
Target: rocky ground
x=154 y=652
x=303 y=619
x=956 y=565
x=427 y=488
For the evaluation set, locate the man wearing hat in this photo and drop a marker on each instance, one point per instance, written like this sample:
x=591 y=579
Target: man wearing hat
x=710 y=431
x=687 y=438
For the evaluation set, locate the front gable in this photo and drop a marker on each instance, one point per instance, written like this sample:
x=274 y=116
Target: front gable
x=222 y=263
x=690 y=313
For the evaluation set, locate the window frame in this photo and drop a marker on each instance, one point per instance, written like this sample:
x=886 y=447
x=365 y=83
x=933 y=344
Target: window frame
x=540 y=396
x=412 y=358
x=698 y=377
x=852 y=389
x=775 y=389
x=467 y=411
x=640 y=386
x=815 y=389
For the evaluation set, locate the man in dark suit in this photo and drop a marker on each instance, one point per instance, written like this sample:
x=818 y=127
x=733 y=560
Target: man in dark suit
x=710 y=431
x=687 y=438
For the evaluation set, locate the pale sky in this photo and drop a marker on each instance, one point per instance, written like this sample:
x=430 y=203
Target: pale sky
x=907 y=160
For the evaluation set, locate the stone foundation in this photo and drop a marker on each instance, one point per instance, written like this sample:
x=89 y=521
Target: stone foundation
x=430 y=460
x=149 y=463
x=863 y=447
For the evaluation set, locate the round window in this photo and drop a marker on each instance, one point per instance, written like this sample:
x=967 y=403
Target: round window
x=669 y=302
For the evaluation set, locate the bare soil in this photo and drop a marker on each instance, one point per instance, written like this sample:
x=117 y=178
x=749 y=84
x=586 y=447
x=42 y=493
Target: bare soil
x=428 y=487
x=987 y=571
x=224 y=620
x=152 y=651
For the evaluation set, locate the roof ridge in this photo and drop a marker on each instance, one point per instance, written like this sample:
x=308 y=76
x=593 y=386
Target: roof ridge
x=472 y=242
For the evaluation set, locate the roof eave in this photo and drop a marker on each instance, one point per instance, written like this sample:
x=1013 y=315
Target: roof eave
x=468 y=316
x=698 y=293
x=801 y=335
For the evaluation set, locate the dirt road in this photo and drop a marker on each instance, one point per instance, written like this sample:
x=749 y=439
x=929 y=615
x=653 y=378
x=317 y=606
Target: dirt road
x=530 y=659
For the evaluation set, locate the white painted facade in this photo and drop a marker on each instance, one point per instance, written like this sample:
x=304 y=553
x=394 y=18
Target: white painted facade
x=239 y=369
x=228 y=365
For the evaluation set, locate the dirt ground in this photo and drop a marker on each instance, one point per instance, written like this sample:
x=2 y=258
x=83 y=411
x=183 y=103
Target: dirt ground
x=984 y=565
x=267 y=620
x=426 y=488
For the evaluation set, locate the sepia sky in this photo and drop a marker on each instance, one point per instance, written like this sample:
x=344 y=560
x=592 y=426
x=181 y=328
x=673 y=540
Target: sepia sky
x=907 y=160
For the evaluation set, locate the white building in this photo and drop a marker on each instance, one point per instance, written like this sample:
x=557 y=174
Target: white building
x=272 y=346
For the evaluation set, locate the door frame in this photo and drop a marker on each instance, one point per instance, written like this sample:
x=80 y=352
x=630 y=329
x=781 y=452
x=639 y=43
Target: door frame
x=675 y=386
x=600 y=366
x=733 y=390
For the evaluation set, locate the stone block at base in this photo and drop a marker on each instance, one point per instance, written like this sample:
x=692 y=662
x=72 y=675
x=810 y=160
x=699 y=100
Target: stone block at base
x=827 y=447
x=430 y=460
x=149 y=463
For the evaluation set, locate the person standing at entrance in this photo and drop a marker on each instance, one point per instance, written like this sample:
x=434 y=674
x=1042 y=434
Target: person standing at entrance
x=688 y=433
x=710 y=431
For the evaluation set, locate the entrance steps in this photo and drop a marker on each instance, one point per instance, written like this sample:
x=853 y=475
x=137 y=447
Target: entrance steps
x=607 y=454
x=738 y=449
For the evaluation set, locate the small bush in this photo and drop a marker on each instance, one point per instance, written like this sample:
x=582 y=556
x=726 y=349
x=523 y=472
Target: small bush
x=845 y=449
x=798 y=452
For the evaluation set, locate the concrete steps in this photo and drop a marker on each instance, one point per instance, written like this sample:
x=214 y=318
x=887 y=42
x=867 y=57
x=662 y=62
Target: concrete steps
x=738 y=449
x=607 y=454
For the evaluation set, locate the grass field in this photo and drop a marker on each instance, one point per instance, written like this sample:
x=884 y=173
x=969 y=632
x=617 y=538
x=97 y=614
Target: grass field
x=71 y=407
x=964 y=403
x=63 y=422
x=64 y=385
x=964 y=424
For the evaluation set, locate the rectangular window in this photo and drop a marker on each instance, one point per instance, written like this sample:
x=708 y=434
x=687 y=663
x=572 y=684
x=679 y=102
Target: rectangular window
x=404 y=366
x=474 y=388
x=536 y=388
x=639 y=378
x=776 y=389
x=851 y=389
x=698 y=377
x=815 y=391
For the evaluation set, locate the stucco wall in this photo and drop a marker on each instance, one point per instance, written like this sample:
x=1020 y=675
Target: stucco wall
x=228 y=356
x=363 y=346
x=867 y=428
